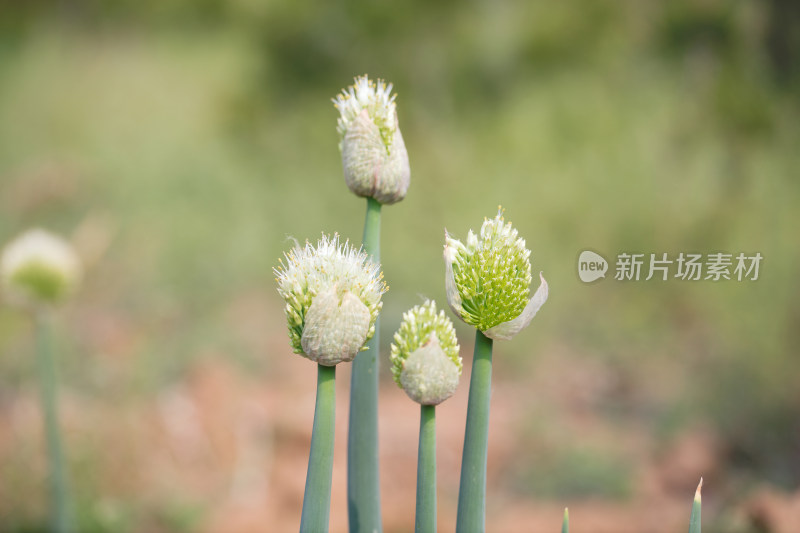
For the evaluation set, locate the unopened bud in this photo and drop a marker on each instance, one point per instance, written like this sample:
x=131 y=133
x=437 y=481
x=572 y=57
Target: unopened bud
x=38 y=268
x=374 y=155
x=425 y=360
x=336 y=327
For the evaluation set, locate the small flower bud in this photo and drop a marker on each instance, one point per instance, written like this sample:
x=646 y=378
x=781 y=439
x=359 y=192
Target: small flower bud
x=38 y=268
x=488 y=280
x=374 y=155
x=333 y=297
x=424 y=356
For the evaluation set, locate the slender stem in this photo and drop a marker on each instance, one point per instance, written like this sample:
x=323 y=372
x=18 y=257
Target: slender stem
x=694 y=521
x=425 y=521
x=565 y=523
x=472 y=492
x=317 y=497
x=372 y=229
x=363 y=483
x=59 y=496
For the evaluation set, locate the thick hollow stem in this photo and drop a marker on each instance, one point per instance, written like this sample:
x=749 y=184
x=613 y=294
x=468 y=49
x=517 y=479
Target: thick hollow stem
x=61 y=520
x=425 y=521
x=363 y=482
x=472 y=491
x=317 y=497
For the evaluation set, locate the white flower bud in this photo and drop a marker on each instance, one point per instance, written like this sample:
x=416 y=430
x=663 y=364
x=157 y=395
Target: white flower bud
x=425 y=360
x=38 y=268
x=333 y=297
x=374 y=156
x=429 y=376
x=336 y=327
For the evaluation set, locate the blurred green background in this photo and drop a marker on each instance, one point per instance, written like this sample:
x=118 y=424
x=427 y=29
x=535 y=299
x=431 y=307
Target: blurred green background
x=182 y=143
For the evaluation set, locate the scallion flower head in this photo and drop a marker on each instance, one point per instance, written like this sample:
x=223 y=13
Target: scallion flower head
x=488 y=279
x=333 y=297
x=374 y=155
x=424 y=356
x=38 y=269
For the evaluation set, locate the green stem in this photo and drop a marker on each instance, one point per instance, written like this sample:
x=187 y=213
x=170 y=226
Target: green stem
x=694 y=521
x=59 y=497
x=363 y=484
x=472 y=492
x=565 y=523
x=425 y=521
x=317 y=497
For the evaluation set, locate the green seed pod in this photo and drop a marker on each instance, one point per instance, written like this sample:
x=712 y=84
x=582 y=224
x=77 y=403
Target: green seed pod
x=374 y=155
x=424 y=355
x=38 y=269
x=333 y=297
x=488 y=280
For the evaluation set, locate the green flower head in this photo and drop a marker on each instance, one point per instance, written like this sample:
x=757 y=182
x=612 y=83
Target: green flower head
x=424 y=356
x=374 y=155
x=38 y=269
x=333 y=297
x=488 y=279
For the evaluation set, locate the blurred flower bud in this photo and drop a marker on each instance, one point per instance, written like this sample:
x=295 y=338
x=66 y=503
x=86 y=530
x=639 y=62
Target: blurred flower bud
x=333 y=297
x=38 y=268
x=374 y=155
x=487 y=281
x=424 y=356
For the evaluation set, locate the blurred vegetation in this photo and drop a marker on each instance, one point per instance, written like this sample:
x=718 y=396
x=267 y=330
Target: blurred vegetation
x=576 y=473
x=196 y=137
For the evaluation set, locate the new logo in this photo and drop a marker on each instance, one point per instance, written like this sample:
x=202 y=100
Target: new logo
x=591 y=266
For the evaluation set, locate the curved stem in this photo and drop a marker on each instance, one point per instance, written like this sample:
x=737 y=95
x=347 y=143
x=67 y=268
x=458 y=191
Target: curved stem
x=472 y=491
x=317 y=496
x=363 y=482
x=59 y=497
x=425 y=521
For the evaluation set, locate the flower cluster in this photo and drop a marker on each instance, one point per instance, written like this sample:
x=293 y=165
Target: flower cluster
x=374 y=98
x=488 y=279
x=374 y=155
x=424 y=355
x=38 y=268
x=333 y=297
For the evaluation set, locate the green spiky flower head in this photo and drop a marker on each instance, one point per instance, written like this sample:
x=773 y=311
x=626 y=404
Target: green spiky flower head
x=333 y=297
x=488 y=279
x=374 y=155
x=38 y=269
x=424 y=356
